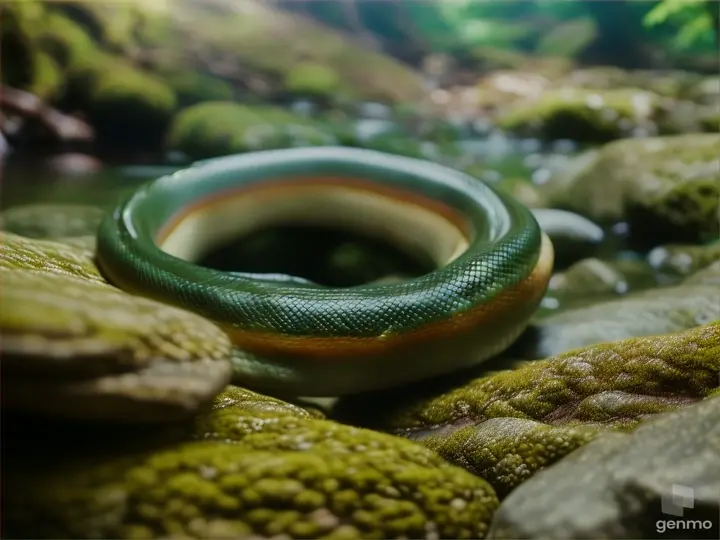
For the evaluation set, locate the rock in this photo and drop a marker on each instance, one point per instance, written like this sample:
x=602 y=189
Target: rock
x=251 y=402
x=123 y=98
x=59 y=126
x=217 y=128
x=666 y=188
x=706 y=91
x=542 y=410
x=710 y=275
x=573 y=236
x=74 y=164
x=592 y=278
x=675 y=261
x=524 y=191
x=192 y=87
x=654 y=311
x=52 y=221
x=312 y=80
x=643 y=485
x=254 y=474
x=584 y=115
x=507 y=451
x=74 y=346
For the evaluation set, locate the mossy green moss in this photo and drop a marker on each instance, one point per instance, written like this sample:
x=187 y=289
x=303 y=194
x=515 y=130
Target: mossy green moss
x=48 y=79
x=311 y=79
x=667 y=188
x=237 y=398
x=74 y=346
x=582 y=114
x=269 y=476
x=613 y=384
x=125 y=98
x=62 y=37
x=508 y=451
x=192 y=88
x=216 y=128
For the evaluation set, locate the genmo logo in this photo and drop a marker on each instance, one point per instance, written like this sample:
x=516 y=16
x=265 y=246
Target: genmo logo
x=674 y=503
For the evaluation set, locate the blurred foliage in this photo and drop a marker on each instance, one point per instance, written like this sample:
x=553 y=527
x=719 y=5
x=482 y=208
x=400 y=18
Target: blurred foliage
x=696 y=20
x=607 y=32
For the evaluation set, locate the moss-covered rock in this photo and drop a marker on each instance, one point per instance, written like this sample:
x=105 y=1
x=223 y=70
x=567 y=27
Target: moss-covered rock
x=255 y=475
x=594 y=277
x=51 y=221
x=74 y=346
x=192 y=87
x=508 y=451
x=130 y=106
x=675 y=261
x=217 y=128
x=310 y=79
x=667 y=188
x=237 y=398
x=617 y=486
x=583 y=114
x=710 y=275
x=62 y=37
x=48 y=80
x=612 y=385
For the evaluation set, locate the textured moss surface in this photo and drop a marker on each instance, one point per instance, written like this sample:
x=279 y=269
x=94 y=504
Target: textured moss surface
x=668 y=188
x=608 y=386
x=235 y=397
x=262 y=474
x=51 y=221
x=508 y=451
x=582 y=114
x=73 y=345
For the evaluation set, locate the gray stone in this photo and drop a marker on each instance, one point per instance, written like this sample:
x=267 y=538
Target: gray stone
x=624 y=485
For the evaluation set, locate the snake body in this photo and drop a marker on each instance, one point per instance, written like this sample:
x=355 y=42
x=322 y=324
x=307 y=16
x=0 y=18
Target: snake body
x=292 y=336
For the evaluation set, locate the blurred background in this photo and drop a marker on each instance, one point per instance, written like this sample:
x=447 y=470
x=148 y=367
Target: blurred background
x=100 y=96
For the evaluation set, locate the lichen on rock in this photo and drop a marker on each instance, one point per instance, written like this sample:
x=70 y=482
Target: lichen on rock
x=256 y=475
x=583 y=114
x=75 y=346
x=612 y=386
x=666 y=188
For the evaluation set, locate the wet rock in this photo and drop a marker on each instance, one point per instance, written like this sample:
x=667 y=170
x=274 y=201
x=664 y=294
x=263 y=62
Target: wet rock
x=666 y=188
x=631 y=485
x=584 y=115
x=573 y=236
x=74 y=346
x=710 y=275
x=654 y=311
x=675 y=261
x=594 y=277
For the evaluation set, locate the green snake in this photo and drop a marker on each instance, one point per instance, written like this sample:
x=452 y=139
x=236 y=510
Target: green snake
x=492 y=265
